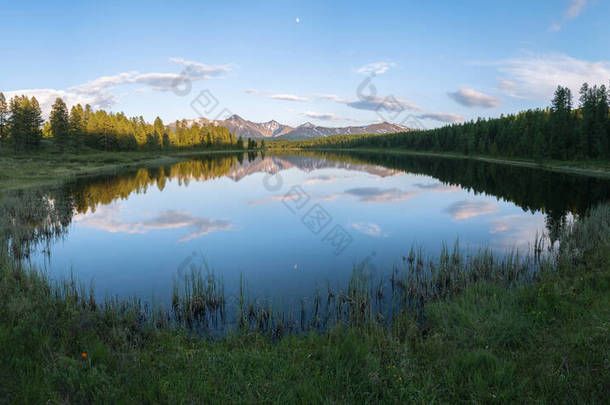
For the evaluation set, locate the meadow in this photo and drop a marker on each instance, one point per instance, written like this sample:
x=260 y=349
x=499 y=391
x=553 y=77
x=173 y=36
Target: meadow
x=481 y=329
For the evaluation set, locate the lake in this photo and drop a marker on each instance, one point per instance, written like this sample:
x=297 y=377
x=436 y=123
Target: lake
x=288 y=223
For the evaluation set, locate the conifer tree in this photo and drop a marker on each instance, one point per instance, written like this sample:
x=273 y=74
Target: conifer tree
x=3 y=117
x=77 y=126
x=60 y=124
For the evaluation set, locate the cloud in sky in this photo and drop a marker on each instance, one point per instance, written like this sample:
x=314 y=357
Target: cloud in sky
x=98 y=93
x=472 y=98
x=536 y=77
x=373 y=102
x=332 y=97
x=320 y=116
x=574 y=9
x=276 y=96
x=376 y=103
x=377 y=68
x=192 y=71
x=466 y=209
x=369 y=228
x=288 y=97
x=449 y=118
x=46 y=98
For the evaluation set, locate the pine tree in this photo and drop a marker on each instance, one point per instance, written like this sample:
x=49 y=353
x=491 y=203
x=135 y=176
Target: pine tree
x=158 y=126
x=561 y=141
x=35 y=121
x=60 y=124
x=25 y=121
x=77 y=126
x=3 y=117
x=166 y=141
x=601 y=120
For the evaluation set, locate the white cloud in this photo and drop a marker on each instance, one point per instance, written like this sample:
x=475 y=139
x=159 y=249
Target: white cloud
x=98 y=93
x=276 y=96
x=46 y=98
x=373 y=102
x=376 y=103
x=377 y=68
x=320 y=116
x=575 y=8
x=537 y=76
x=369 y=228
x=437 y=187
x=107 y=218
x=466 y=209
x=442 y=117
x=288 y=97
x=375 y=194
x=198 y=71
x=332 y=97
x=192 y=71
x=472 y=98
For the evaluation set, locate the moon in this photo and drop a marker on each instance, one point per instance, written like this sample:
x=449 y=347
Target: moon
x=298 y=20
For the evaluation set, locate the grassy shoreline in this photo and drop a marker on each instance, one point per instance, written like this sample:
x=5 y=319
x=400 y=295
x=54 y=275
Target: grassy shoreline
x=46 y=168
x=546 y=341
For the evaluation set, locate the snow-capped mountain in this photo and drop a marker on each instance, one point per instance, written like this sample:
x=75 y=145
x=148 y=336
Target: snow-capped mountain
x=273 y=129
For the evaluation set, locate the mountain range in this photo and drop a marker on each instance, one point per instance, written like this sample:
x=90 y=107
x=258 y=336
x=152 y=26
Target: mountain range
x=273 y=129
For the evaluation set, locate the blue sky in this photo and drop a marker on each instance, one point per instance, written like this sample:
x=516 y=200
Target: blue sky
x=437 y=62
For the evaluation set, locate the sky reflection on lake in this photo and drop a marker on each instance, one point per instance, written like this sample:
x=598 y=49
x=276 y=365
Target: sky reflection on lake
x=135 y=245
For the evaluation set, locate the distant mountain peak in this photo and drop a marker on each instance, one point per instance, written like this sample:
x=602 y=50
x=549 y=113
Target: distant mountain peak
x=239 y=126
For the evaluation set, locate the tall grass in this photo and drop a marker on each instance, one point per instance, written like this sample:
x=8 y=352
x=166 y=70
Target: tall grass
x=198 y=300
x=199 y=303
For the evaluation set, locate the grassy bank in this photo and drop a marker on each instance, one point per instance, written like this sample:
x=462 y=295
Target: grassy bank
x=546 y=340
x=596 y=168
x=47 y=166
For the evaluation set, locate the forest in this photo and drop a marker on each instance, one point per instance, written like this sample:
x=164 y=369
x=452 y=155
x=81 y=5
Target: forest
x=23 y=128
x=559 y=132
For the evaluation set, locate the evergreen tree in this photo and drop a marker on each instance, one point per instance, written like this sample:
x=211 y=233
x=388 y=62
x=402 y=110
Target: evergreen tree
x=3 y=117
x=60 y=123
x=77 y=126
x=159 y=130
x=561 y=135
x=25 y=122
x=166 y=141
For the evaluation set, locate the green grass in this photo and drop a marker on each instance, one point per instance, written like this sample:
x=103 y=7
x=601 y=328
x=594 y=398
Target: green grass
x=48 y=166
x=546 y=341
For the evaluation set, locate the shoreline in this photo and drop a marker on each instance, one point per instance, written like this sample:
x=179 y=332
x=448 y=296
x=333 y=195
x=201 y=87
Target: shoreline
x=18 y=172
x=552 y=165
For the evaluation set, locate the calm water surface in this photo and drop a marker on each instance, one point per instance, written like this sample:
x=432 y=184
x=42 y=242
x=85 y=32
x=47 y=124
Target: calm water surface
x=289 y=223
